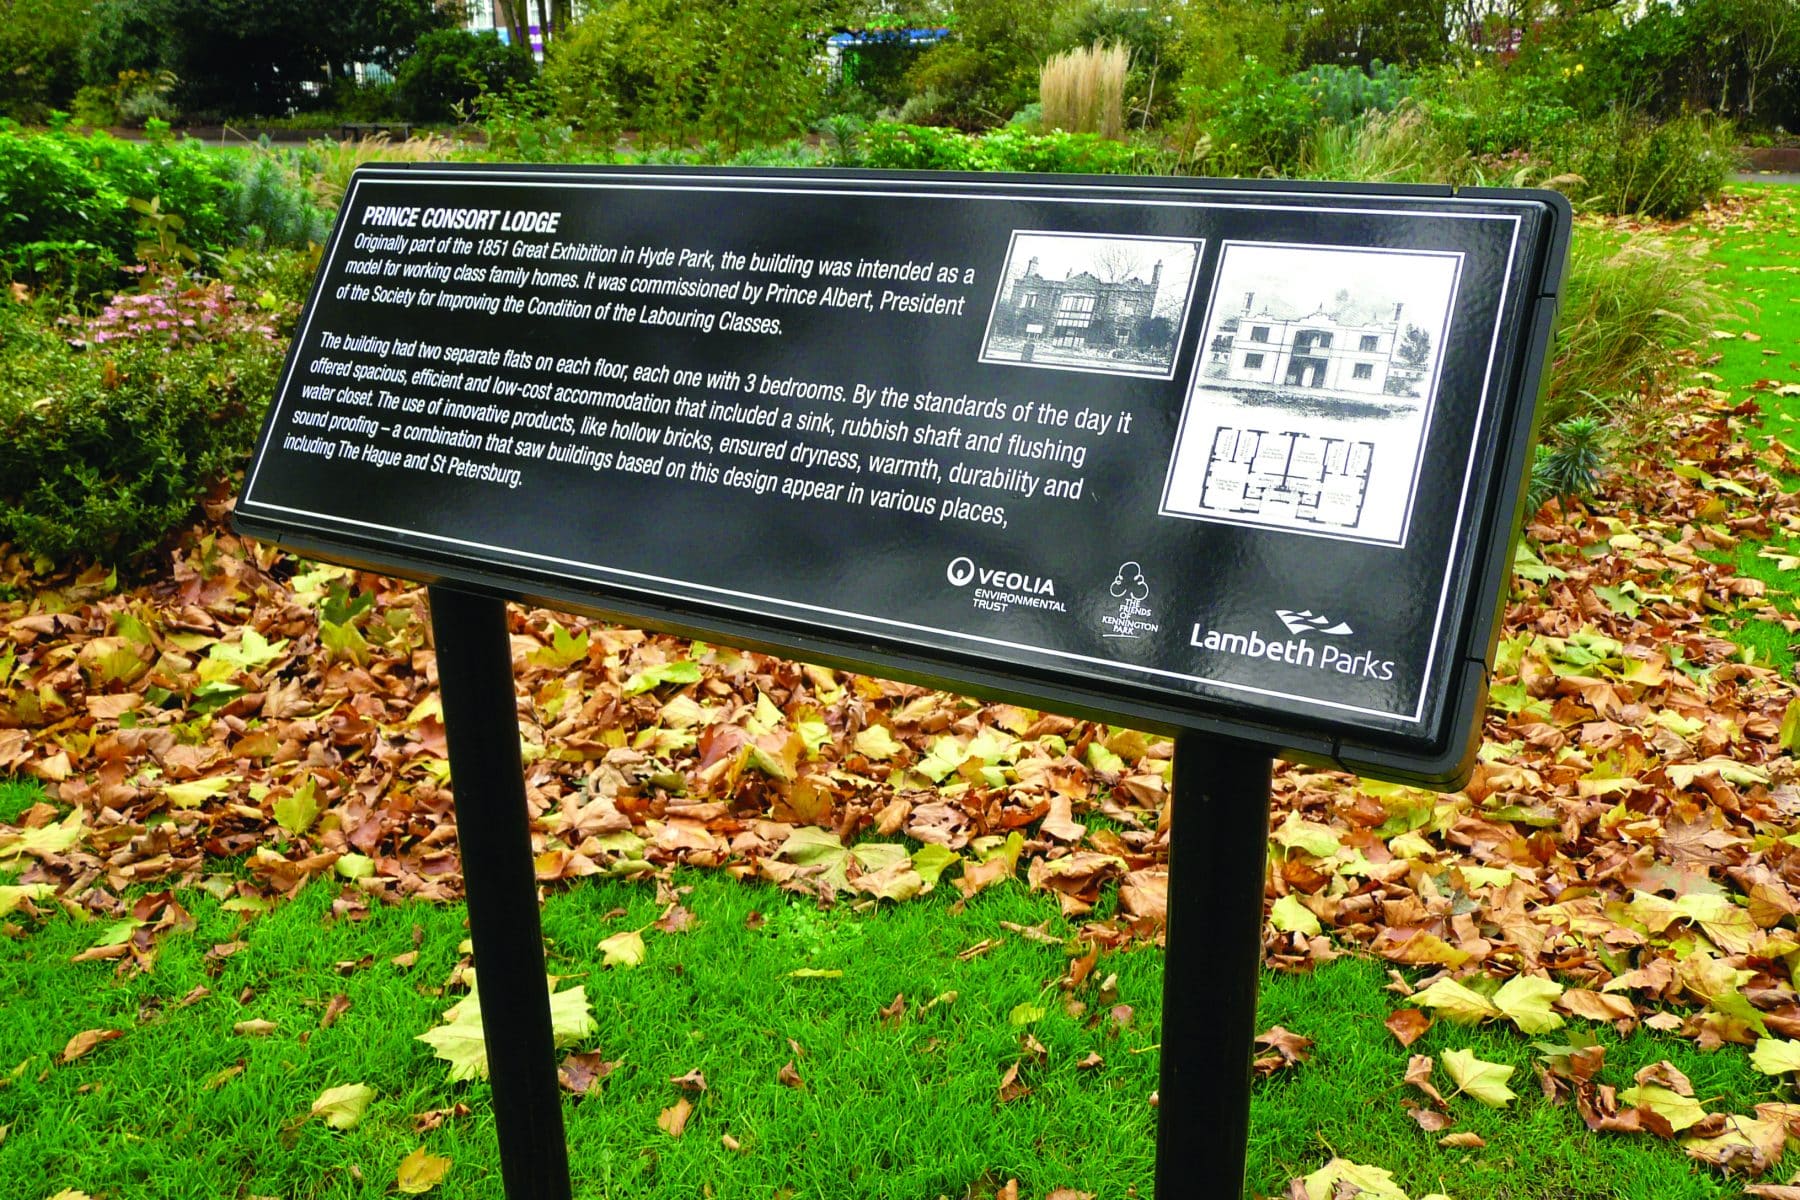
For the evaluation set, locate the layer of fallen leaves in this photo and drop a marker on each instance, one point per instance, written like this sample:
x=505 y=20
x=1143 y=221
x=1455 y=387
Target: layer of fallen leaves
x=1626 y=850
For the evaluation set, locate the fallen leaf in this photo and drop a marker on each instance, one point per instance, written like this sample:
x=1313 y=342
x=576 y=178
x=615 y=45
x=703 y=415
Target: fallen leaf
x=673 y=1119
x=342 y=1107
x=1407 y=1025
x=420 y=1172
x=1483 y=1081
x=85 y=1041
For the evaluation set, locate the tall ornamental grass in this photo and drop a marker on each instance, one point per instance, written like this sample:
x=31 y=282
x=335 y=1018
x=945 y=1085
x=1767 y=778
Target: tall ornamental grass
x=1083 y=90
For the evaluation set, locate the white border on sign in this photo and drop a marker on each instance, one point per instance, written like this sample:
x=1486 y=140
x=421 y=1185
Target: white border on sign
x=957 y=190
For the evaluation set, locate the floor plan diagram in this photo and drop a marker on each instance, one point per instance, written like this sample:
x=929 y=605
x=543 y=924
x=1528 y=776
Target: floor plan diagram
x=1287 y=476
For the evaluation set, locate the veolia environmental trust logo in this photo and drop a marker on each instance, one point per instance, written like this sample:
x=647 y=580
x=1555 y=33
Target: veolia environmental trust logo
x=997 y=588
x=1133 y=619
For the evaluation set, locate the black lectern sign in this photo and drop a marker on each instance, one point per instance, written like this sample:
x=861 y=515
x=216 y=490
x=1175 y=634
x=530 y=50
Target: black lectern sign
x=1237 y=462
x=1241 y=459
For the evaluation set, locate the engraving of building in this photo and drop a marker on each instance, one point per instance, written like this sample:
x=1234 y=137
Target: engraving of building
x=1081 y=310
x=1342 y=346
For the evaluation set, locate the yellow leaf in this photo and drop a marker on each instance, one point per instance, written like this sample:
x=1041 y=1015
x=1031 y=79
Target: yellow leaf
x=342 y=1107
x=459 y=1043
x=1679 y=1110
x=46 y=839
x=1775 y=1056
x=1483 y=1081
x=196 y=792
x=420 y=1172
x=623 y=950
x=1289 y=915
x=1455 y=1002
x=876 y=742
x=1729 y=926
x=1372 y=1182
x=570 y=1020
x=1318 y=840
x=1525 y=1000
x=12 y=897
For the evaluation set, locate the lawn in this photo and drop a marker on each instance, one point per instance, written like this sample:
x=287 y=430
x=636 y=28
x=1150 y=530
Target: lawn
x=190 y=1102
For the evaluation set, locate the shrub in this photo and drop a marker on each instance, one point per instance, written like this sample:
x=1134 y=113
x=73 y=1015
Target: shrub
x=40 y=45
x=1083 y=90
x=270 y=207
x=1398 y=147
x=1496 y=110
x=451 y=67
x=928 y=148
x=64 y=196
x=1625 y=309
x=1344 y=94
x=1630 y=164
x=739 y=73
x=104 y=452
x=1259 y=120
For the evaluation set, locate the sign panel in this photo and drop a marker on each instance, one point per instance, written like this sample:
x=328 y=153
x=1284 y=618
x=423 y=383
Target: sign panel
x=1189 y=455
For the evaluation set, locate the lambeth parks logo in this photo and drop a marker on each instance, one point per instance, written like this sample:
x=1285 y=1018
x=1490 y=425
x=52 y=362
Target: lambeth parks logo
x=998 y=589
x=1133 y=618
x=1307 y=621
x=1299 y=649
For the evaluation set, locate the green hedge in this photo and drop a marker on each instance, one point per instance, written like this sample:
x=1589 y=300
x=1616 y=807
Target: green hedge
x=104 y=451
x=65 y=200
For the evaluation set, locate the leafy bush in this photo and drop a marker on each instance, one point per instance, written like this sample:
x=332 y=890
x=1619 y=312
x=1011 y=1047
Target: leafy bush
x=1630 y=164
x=927 y=148
x=104 y=452
x=40 y=47
x=1259 y=120
x=64 y=196
x=1496 y=110
x=740 y=73
x=451 y=67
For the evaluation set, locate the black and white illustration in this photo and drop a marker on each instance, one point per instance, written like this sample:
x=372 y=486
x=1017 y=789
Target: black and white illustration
x=1313 y=395
x=1086 y=302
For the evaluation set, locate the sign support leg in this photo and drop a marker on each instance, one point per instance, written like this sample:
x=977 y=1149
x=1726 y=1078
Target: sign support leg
x=1218 y=852
x=481 y=723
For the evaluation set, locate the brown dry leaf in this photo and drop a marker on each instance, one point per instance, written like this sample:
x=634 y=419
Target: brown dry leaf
x=693 y=1081
x=336 y=1007
x=673 y=1119
x=1407 y=1025
x=1010 y=1087
x=85 y=1041
x=1463 y=1140
x=580 y=1072
x=789 y=1077
x=1418 y=1073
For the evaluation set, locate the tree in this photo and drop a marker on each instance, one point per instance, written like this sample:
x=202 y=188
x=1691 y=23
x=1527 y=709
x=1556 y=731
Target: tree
x=40 y=45
x=248 y=57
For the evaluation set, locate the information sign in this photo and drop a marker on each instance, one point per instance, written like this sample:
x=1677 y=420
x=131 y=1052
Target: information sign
x=1242 y=459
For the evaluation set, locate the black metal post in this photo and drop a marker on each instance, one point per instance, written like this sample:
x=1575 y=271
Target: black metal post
x=1218 y=850
x=481 y=725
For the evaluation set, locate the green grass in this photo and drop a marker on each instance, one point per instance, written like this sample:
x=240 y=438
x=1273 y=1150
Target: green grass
x=17 y=795
x=182 y=1107
x=1757 y=267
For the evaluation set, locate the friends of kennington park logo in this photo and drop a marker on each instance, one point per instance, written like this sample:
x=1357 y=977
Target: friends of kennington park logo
x=1309 y=644
x=1133 y=619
